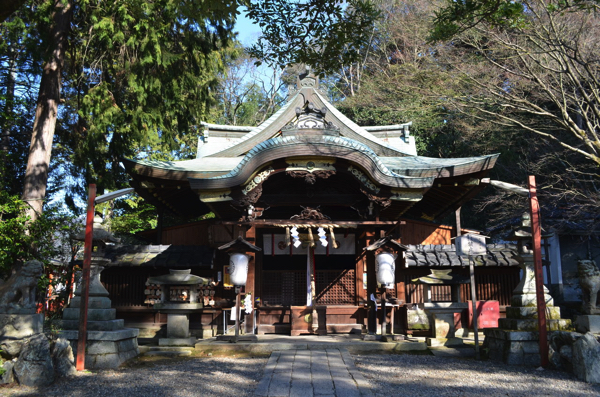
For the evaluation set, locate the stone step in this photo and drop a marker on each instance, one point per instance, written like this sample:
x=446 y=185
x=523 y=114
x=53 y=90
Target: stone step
x=93 y=314
x=513 y=324
x=437 y=342
x=111 y=325
x=552 y=312
x=177 y=341
x=169 y=348
x=169 y=353
x=115 y=335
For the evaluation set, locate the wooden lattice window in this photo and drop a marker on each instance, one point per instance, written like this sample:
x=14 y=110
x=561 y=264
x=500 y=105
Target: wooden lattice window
x=125 y=289
x=336 y=287
x=288 y=288
x=284 y=288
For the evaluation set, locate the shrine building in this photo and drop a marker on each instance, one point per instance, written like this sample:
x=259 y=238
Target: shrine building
x=311 y=189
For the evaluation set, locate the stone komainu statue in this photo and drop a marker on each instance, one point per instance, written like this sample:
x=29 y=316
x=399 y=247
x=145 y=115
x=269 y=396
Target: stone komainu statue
x=589 y=279
x=18 y=292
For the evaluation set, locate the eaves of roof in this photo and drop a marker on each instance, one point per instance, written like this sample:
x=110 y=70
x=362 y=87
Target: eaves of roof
x=445 y=255
x=319 y=145
x=175 y=256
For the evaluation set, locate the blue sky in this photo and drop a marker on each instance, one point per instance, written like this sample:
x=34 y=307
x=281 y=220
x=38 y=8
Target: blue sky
x=248 y=32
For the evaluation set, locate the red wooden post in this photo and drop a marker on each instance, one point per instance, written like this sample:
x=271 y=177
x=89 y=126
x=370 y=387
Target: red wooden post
x=85 y=280
x=539 y=272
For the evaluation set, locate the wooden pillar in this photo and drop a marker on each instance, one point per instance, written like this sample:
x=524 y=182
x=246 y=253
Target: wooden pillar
x=251 y=280
x=539 y=272
x=400 y=276
x=371 y=282
x=400 y=286
x=359 y=269
x=85 y=280
x=257 y=272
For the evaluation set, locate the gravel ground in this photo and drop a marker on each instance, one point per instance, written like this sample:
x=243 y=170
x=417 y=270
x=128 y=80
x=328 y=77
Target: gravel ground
x=388 y=375
x=209 y=376
x=412 y=375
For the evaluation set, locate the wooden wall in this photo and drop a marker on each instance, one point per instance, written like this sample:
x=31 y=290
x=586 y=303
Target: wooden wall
x=417 y=232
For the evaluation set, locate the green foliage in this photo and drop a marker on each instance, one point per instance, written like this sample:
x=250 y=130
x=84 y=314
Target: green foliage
x=134 y=215
x=21 y=240
x=458 y=16
x=140 y=77
x=246 y=94
x=318 y=33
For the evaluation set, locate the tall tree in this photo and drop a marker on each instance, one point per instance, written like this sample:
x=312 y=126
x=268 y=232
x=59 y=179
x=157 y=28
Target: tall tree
x=544 y=58
x=532 y=66
x=317 y=33
x=247 y=94
x=140 y=74
x=20 y=64
x=36 y=175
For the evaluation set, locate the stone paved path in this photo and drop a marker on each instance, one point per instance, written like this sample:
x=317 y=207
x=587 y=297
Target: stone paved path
x=308 y=373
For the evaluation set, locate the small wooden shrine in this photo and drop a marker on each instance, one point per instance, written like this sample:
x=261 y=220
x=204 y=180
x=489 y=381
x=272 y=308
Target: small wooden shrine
x=312 y=189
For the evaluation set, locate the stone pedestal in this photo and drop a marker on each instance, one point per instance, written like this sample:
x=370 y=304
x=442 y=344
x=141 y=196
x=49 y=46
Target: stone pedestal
x=178 y=325
x=445 y=316
x=15 y=328
x=588 y=323
x=516 y=340
x=417 y=320
x=109 y=344
x=444 y=325
x=178 y=331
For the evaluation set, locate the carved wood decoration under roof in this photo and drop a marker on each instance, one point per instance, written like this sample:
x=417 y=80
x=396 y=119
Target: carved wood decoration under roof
x=309 y=154
x=310 y=120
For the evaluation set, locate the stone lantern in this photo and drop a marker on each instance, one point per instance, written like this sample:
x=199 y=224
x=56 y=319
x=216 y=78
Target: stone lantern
x=516 y=340
x=108 y=343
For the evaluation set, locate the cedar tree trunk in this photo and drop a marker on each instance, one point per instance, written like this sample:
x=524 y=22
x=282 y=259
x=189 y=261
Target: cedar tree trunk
x=40 y=150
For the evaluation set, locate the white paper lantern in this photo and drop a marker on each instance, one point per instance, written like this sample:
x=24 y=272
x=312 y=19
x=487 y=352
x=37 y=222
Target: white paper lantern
x=238 y=268
x=386 y=268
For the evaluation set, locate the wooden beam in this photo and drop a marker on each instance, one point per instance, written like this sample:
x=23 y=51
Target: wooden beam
x=281 y=222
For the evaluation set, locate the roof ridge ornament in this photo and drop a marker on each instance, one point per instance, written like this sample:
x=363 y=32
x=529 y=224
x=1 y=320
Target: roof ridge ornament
x=305 y=79
x=310 y=121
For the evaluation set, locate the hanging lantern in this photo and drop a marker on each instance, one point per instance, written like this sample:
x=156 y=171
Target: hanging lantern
x=385 y=263
x=238 y=268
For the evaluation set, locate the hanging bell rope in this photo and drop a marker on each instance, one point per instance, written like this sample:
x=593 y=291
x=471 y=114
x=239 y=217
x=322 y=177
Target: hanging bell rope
x=311 y=239
x=334 y=243
x=287 y=237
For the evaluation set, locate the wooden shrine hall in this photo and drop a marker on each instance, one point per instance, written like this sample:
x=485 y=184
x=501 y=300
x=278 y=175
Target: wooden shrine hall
x=311 y=189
